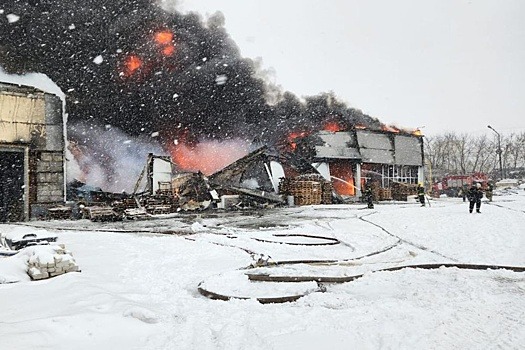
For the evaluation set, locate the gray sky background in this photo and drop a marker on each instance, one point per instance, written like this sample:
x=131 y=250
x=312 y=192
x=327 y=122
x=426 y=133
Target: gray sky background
x=445 y=65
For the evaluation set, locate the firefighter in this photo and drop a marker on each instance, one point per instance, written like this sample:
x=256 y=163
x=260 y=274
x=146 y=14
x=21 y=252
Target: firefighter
x=475 y=193
x=489 y=191
x=421 y=193
x=369 y=197
x=464 y=191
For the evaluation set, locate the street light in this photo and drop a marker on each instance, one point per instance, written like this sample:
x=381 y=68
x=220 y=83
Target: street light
x=499 y=151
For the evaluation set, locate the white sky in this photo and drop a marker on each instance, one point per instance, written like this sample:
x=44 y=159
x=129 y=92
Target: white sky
x=447 y=65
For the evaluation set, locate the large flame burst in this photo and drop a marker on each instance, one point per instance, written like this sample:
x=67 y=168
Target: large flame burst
x=164 y=47
x=165 y=42
x=205 y=156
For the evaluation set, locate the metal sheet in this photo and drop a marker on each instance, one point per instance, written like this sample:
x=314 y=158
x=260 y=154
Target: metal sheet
x=343 y=139
x=377 y=156
x=161 y=172
x=337 y=152
x=408 y=150
x=373 y=140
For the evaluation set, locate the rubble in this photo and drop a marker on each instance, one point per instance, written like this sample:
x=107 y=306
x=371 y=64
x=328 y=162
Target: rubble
x=263 y=178
x=50 y=261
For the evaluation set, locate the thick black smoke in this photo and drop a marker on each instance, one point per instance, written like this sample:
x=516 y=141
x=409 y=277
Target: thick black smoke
x=204 y=87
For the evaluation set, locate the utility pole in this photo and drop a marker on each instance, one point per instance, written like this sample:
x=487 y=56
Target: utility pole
x=499 y=151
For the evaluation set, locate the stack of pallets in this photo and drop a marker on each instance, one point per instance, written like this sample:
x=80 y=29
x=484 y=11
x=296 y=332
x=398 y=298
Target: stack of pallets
x=97 y=213
x=300 y=187
x=385 y=194
x=401 y=191
x=328 y=189
x=305 y=192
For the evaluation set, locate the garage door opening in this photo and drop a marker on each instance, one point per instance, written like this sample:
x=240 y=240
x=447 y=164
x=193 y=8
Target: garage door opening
x=11 y=186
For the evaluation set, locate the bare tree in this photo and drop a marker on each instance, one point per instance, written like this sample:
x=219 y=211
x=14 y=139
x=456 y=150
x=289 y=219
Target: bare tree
x=462 y=154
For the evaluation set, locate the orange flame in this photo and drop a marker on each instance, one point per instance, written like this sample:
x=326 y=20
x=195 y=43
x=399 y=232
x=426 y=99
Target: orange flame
x=207 y=157
x=417 y=132
x=132 y=63
x=342 y=178
x=333 y=127
x=164 y=37
x=164 y=40
x=168 y=50
x=360 y=127
x=293 y=136
x=389 y=128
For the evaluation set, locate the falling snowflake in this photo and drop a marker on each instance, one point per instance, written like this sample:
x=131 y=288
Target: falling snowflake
x=221 y=79
x=12 y=18
x=98 y=59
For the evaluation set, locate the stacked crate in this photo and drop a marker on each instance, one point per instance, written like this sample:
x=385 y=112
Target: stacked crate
x=385 y=194
x=327 y=189
x=401 y=191
x=305 y=192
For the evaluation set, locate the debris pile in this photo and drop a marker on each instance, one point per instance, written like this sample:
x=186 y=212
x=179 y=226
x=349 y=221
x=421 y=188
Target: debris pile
x=50 y=261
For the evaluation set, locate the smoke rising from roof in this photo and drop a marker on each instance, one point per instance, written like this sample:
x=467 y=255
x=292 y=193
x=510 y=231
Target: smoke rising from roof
x=139 y=68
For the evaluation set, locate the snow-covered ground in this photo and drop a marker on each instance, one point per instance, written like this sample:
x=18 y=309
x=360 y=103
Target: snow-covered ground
x=138 y=288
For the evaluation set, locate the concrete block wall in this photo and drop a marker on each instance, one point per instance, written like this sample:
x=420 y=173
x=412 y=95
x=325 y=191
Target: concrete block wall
x=50 y=177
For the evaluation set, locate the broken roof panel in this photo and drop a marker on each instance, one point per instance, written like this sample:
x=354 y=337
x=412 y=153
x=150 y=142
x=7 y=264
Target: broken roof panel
x=408 y=150
x=374 y=140
x=375 y=147
x=338 y=139
x=378 y=156
x=337 y=152
x=340 y=145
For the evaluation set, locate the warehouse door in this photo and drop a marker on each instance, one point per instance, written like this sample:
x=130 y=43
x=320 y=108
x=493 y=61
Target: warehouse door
x=11 y=186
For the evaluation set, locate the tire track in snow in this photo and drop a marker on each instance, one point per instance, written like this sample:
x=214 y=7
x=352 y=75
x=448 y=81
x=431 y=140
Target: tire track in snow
x=504 y=207
x=419 y=246
x=329 y=227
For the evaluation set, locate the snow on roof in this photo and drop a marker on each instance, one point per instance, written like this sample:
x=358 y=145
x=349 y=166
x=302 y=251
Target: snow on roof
x=37 y=80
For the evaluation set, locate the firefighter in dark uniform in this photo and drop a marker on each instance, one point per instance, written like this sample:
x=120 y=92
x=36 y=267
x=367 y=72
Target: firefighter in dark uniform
x=464 y=192
x=489 y=191
x=368 y=196
x=475 y=193
x=421 y=193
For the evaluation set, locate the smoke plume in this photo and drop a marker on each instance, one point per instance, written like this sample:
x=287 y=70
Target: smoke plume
x=133 y=66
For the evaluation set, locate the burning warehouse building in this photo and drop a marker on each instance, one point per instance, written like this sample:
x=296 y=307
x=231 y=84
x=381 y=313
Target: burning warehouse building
x=31 y=152
x=351 y=159
x=173 y=82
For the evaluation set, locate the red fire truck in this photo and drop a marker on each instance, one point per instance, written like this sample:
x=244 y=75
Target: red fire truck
x=451 y=185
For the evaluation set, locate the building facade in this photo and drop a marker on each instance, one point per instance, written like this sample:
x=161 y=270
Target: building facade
x=352 y=159
x=32 y=175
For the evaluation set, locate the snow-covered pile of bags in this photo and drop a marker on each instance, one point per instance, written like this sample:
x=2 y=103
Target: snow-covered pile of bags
x=50 y=260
